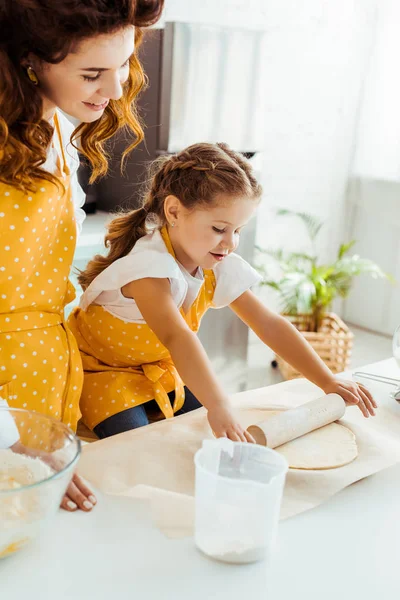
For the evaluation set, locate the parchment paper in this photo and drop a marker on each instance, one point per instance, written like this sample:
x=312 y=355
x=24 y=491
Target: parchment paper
x=155 y=463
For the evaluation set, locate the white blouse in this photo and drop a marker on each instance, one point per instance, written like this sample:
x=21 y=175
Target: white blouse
x=150 y=258
x=71 y=156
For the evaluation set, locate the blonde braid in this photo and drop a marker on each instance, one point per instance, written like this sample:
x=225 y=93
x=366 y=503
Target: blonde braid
x=182 y=162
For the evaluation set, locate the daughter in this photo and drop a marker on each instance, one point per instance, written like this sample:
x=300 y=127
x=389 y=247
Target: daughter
x=169 y=262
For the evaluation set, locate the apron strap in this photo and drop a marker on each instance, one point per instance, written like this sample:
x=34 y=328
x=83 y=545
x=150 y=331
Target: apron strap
x=167 y=241
x=65 y=167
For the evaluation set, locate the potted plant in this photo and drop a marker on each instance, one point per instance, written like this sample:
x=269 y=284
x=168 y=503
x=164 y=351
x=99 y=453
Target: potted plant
x=307 y=288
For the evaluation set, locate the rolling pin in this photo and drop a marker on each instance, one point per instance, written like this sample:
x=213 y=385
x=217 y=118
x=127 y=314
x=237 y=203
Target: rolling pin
x=295 y=422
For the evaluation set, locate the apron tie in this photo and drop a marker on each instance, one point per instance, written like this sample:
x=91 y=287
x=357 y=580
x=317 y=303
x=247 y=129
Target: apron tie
x=154 y=372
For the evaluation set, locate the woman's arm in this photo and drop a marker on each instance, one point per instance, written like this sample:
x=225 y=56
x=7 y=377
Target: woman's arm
x=284 y=339
x=154 y=300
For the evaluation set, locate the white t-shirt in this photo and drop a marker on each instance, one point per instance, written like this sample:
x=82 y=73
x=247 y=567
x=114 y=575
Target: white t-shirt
x=71 y=156
x=150 y=258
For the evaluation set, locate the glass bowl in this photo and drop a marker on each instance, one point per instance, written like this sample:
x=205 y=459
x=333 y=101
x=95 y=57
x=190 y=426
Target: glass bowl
x=38 y=456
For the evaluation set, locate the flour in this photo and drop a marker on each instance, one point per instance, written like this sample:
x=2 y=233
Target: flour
x=235 y=538
x=18 y=470
x=22 y=510
x=236 y=551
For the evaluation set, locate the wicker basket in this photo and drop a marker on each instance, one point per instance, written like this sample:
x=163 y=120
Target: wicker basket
x=333 y=343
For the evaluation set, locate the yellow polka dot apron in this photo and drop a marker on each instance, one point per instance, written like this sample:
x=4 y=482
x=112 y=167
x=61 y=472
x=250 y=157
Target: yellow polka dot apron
x=40 y=365
x=125 y=364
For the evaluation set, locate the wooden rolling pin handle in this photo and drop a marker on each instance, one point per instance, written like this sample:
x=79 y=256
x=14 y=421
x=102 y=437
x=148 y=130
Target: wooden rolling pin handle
x=295 y=422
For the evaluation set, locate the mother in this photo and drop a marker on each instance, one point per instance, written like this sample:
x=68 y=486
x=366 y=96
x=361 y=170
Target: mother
x=80 y=57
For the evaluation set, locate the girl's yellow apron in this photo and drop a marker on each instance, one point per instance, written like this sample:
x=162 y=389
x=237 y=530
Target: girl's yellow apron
x=125 y=364
x=40 y=366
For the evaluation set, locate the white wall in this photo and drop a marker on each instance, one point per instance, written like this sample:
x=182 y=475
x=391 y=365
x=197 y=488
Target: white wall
x=315 y=57
x=230 y=13
x=375 y=223
x=377 y=151
x=374 y=190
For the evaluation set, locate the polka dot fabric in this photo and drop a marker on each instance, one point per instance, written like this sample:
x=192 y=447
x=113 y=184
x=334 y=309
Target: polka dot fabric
x=40 y=366
x=125 y=364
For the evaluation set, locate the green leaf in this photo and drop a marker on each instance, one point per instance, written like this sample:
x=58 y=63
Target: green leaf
x=276 y=254
x=354 y=265
x=344 y=248
x=312 y=224
x=323 y=271
x=300 y=260
x=305 y=295
x=307 y=287
x=272 y=284
x=296 y=291
x=290 y=261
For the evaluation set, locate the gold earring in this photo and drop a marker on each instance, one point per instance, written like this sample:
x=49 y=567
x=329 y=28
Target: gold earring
x=32 y=76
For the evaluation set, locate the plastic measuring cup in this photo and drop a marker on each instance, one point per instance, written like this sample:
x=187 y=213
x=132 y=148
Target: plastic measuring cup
x=239 y=490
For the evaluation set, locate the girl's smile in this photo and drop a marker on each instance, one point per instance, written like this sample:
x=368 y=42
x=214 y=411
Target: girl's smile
x=218 y=257
x=205 y=236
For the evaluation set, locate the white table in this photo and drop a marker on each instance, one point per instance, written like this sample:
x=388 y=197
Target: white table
x=347 y=548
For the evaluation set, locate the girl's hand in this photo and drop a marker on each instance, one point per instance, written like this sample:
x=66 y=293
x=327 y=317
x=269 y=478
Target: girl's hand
x=224 y=423
x=78 y=495
x=352 y=393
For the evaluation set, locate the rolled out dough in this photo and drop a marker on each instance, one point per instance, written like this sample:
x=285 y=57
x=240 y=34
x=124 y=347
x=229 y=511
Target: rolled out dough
x=329 y=447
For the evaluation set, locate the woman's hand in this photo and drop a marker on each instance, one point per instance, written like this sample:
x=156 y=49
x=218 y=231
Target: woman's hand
x=352 y=393
x=224 y=423
x=78 y=495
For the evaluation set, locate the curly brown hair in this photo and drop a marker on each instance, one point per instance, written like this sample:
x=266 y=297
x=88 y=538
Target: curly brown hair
x=50 y=30
x=196 y=176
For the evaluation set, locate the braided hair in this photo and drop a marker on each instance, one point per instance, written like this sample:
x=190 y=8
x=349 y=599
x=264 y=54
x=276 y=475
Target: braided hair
x=196 y=176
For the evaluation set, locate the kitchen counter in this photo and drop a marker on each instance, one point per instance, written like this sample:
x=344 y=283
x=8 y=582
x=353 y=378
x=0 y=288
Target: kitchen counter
x=346 y=548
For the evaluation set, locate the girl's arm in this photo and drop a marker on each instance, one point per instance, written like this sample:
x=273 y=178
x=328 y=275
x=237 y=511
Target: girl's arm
x=154 y=300
x=284 y=339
